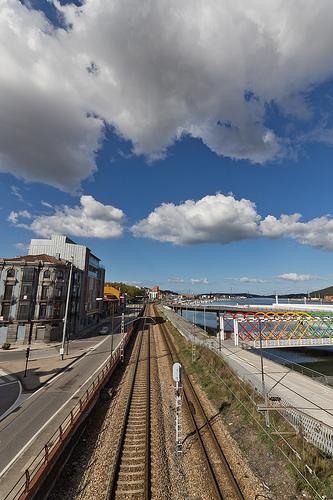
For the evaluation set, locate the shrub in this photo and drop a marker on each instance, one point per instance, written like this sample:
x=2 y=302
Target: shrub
x=6 y=346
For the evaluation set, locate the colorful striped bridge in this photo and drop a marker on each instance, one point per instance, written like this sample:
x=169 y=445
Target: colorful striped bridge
x=270 y=326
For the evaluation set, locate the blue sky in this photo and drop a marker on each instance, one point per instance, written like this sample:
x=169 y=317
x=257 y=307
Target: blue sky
x=229 y=162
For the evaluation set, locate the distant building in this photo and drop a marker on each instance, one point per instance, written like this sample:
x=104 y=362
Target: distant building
x=33 y=292
x=111 y=300
x=93 y=273
x=154 y=293
x=111 y=292
x=328 y=298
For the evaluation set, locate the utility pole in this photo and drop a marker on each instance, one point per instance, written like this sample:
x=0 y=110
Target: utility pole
x=263 y=376
x=62 y=348
x=112 y=323
x=122 y=335
x=32 y=305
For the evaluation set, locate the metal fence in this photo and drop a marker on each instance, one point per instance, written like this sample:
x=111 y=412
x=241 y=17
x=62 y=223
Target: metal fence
x=314 y=431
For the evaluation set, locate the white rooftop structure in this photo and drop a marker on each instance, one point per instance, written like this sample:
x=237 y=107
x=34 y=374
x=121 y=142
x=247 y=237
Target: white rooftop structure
x=62 y=247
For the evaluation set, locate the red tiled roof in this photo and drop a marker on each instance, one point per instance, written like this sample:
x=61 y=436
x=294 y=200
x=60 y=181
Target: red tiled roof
x=33 y=258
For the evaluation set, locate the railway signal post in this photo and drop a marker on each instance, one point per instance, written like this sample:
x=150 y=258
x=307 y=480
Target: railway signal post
x=176 y=374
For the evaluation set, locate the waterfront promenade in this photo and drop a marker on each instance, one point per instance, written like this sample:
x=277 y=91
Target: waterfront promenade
x=307 y=399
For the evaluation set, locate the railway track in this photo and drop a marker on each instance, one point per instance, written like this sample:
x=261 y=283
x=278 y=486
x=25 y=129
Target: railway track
x=223 y=481
x=130 y=476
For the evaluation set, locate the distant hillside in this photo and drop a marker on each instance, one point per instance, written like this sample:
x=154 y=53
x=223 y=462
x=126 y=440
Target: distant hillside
x=132 y=291
x=322 y=292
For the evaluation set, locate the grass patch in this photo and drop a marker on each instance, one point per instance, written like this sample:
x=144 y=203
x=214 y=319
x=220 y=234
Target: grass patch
x=236 y=402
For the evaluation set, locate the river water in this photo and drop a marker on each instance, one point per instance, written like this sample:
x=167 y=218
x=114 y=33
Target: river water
x=319 y=359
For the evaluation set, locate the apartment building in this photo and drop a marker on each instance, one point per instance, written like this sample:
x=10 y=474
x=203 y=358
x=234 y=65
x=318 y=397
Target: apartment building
x=93 y=273
x=33 y=292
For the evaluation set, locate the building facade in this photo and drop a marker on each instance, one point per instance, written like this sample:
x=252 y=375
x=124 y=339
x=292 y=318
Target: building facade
x=33 y=292
x=93 y=274
x=154 y=293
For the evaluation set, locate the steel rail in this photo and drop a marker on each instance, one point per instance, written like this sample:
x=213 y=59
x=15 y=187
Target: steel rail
x=148 y=425
x=113 y=477
x=207 y=425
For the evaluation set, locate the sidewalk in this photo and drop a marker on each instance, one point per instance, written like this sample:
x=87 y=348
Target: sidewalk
x=308 y=403
x=41 y=370
x=44 y=345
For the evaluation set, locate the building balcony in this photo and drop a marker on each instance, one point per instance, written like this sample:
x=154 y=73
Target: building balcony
x=57 y=298
x=10 y=280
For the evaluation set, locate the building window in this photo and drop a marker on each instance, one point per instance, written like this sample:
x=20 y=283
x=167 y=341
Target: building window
x=5 y=311
x=58 y=291
x=47 y=274
x=8 y=292
x=60 y=275
x=28 y=274
x=44 y=294
x=42 y=311
x=11 y=273
x=26 y=292
x=23 y=312
x=56 y=312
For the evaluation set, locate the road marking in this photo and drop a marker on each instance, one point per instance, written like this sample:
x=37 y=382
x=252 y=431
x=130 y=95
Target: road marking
x=22 y=450
x=16 y=402
x=3 y=384
x=77 y=361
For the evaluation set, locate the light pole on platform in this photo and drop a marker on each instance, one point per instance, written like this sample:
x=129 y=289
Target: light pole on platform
x=263 y=376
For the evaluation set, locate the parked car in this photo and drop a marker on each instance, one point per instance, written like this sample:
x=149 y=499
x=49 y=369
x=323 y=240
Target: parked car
x=104 y=330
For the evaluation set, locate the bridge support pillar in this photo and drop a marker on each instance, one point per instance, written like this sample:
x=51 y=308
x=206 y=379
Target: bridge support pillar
x=236 y=336
x=220 y=325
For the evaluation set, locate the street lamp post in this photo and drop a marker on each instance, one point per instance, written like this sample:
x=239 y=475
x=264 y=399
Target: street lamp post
x=112 y=325
x=62 y=349
x=27 y=353
x=99 y=299
x=32 y=304
x=263 y=376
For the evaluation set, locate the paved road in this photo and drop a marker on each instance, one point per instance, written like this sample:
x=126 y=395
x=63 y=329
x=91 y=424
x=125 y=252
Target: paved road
x=10 y=387
x=23 y=433
x=10 y=392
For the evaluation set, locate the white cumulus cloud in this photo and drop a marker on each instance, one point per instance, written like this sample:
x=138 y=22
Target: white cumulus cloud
x=213 y=219
x=199 y=281
x=224 y=219
x=245 y=279
x=90 y=219
x=297 y=277
x=317 y=232
x=176 y=279
x=154 y=74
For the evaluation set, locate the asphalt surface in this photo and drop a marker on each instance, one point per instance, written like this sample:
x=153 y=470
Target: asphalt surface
x=10 y=392
x=10 y=386
x=24 y=432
